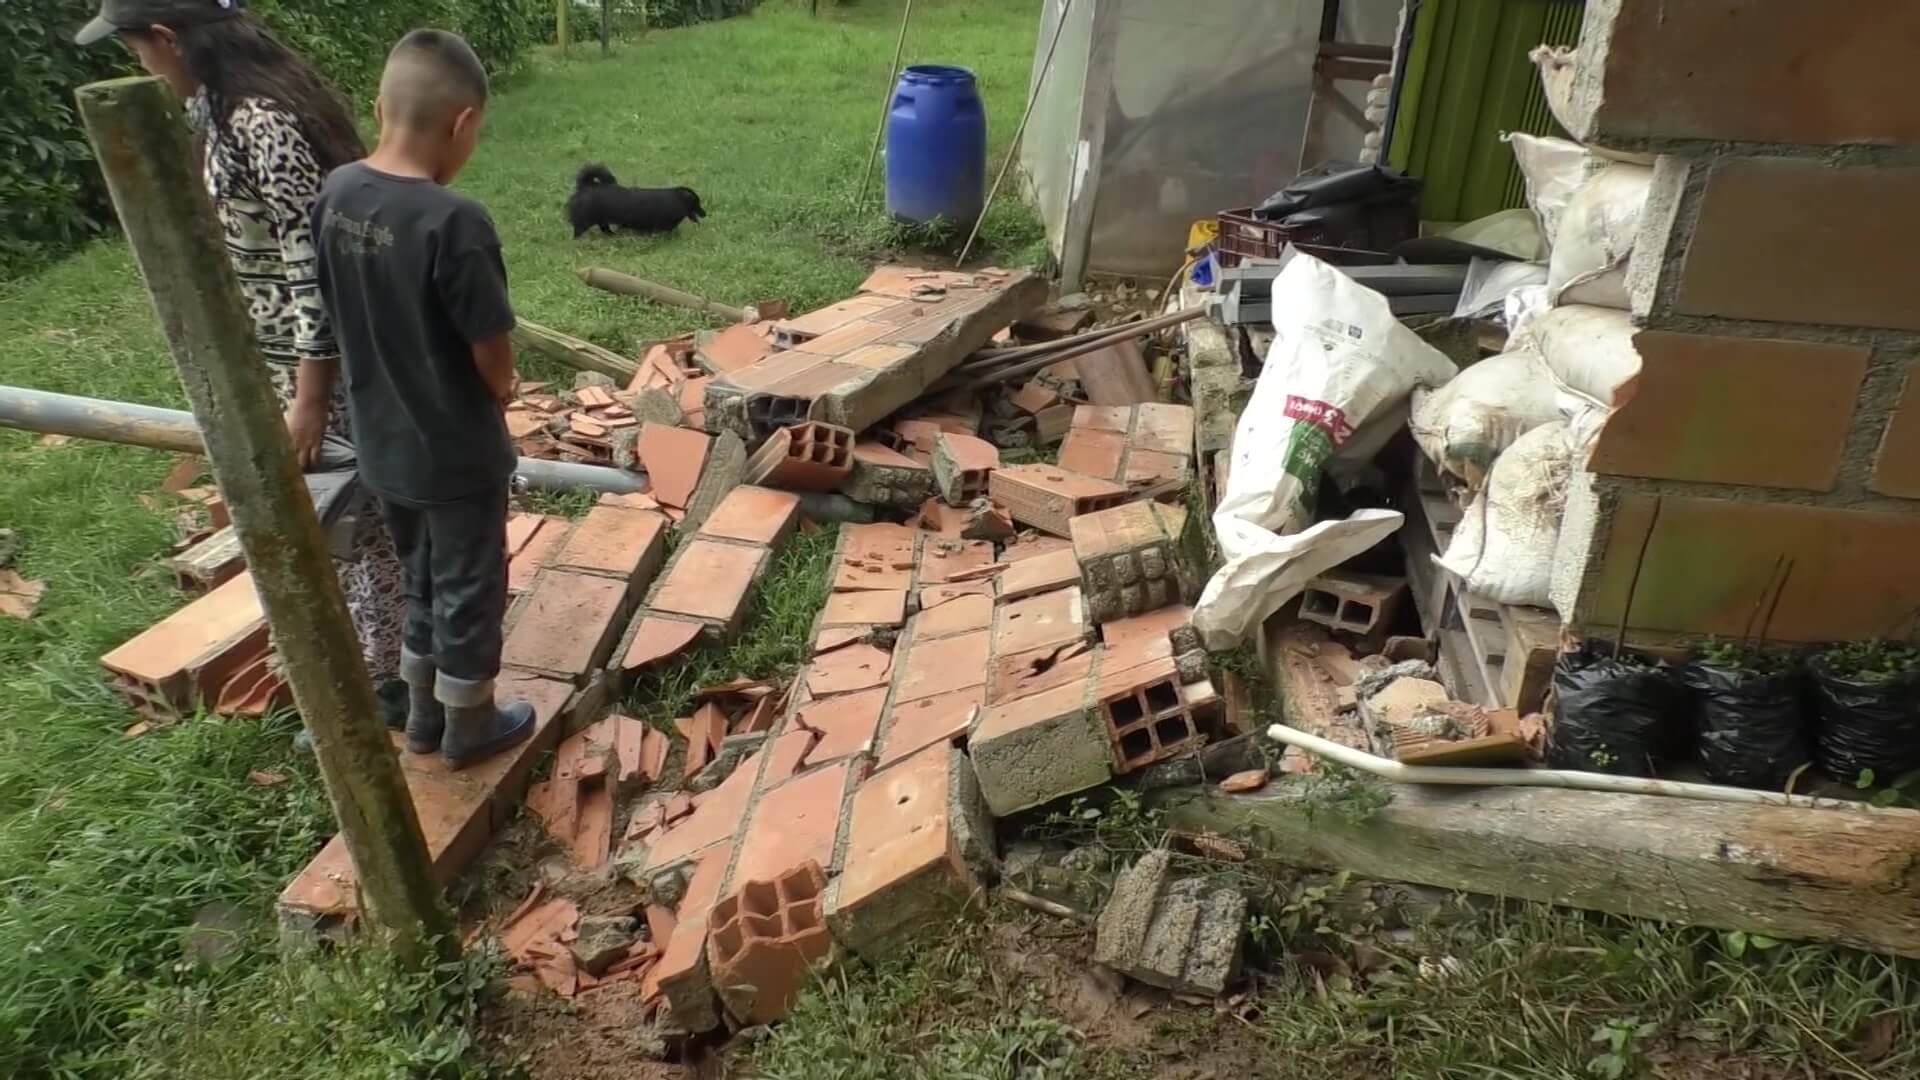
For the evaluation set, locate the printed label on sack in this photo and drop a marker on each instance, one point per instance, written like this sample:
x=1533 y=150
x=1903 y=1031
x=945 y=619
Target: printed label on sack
x=1328 y=418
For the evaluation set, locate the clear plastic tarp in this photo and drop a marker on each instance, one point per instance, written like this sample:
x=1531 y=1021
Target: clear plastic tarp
x=1199 y=107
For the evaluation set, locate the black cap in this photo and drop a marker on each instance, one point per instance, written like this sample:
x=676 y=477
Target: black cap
x=118 y=15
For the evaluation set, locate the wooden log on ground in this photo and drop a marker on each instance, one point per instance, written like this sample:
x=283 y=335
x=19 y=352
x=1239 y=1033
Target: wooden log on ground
x=1841 y=876
x=614 y=281
x=573 y=352
x=139 y=137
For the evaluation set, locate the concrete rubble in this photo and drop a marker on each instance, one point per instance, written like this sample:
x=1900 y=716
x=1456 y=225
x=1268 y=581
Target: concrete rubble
x=1183 y=935
x=1020 y=638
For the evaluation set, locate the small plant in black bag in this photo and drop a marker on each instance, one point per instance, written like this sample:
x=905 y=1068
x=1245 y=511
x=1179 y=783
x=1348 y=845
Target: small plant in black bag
x=1868 y=695
x=1754 y=725
x=1613 y=712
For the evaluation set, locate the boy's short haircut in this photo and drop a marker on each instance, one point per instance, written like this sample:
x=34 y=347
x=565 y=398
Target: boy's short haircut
x=430 y=75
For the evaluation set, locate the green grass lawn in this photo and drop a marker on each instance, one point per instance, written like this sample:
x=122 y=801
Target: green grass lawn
x=111 y=846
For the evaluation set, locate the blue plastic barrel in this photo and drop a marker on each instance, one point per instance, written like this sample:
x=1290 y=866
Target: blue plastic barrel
x=936 y=145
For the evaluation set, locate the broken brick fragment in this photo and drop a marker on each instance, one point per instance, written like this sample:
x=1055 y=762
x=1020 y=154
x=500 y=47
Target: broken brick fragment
x=766 y=937
x=910 y=830
x=961 y=466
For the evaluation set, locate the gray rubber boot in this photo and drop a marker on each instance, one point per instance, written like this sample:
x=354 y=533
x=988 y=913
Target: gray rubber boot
x=477 y=728
x=426 y=718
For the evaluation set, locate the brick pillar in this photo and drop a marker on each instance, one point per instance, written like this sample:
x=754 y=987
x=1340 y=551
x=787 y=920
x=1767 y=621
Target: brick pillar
x=1776 y=287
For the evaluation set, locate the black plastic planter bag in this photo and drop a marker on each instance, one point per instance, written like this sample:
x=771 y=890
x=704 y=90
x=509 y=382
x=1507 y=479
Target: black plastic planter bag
x=1613 y=715
x=1754 y=728
x=1866 y=725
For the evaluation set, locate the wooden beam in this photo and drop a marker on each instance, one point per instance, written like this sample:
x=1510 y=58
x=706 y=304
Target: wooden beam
x=1846 y=877
x=140 y=140
x=573 y=352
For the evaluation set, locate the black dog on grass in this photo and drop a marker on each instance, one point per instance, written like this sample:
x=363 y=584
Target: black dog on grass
x=600 y=200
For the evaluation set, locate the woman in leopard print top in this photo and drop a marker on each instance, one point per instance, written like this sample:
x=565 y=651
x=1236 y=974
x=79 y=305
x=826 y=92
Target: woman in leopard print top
x=271 y=129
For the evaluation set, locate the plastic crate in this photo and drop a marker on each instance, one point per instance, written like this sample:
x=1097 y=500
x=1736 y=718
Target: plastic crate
x=1243 y=236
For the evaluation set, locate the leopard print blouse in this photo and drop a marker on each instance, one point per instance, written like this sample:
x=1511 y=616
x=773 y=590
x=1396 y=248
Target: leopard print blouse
x=263 y=179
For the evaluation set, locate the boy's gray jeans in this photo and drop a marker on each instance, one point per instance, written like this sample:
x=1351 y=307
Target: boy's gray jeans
x=454 y=559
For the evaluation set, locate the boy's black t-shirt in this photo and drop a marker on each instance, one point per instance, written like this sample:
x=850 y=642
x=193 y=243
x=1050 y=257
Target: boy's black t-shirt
x=412 y=277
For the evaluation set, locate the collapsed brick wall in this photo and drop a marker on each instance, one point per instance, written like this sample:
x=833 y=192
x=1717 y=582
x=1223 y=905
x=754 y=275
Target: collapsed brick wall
x=1768 y=455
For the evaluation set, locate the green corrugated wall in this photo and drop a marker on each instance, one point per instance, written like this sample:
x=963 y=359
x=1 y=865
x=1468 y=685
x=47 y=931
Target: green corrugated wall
x=1467 y=81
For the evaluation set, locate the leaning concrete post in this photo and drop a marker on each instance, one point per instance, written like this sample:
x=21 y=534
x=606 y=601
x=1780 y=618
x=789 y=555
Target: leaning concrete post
x=141 y=141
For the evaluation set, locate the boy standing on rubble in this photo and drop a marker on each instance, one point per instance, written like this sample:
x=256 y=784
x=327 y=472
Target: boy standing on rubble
x=412 y=277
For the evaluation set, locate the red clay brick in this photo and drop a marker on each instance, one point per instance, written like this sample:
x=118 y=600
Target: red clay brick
x=939 y=517
x=1162 y=428
x=1896 y=468
x=1147 y=717
x=846 y=722
x=1053 y=570
x=1048 y=619
x=1116 y=418
x=876 y=607
x=170 y=655
x=766 y=938
x=755 y=514
x=736 y=347
x=709 y=579
x=1152 y=624
x=803 y=457
x=1149 y=467
x=942 y=558
x=681 y=974
x=827 y=319
x=1048 y=497
x=961 y=464
x=524 y=567
x=1018 y=675
x=674 y=457
x=1734 y=411
x=458 y=810
x=1801 y=74
x=939 y=667
x=903 y=861
x=1094 y=452
x=626 y=544
x=848 y=668
x=520 y=529
x=1708 y=562
x=654 y=640
x=1854 y=232
x=934 y=595
x=878 y=556
x=916 y=725
x=960 y=615
x=790 y=749
x=714 y=819
x=793 y=823
x=1032 y=545
x=567 y=626
x=704 y=731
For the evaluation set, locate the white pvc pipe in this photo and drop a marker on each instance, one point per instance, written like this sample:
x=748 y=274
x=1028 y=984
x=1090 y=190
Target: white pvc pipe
x=1401 y=773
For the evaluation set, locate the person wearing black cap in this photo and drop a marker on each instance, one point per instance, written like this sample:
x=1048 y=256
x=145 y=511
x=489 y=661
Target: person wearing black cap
x=271 y=129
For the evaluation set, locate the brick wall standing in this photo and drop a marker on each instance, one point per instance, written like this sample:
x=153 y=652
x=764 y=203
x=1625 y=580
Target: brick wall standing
x=1767 y=455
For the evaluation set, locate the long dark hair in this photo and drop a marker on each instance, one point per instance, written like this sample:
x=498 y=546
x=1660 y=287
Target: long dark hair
x=238 y=58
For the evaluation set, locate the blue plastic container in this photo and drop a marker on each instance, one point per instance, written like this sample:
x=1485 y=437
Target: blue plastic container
x=936 y=145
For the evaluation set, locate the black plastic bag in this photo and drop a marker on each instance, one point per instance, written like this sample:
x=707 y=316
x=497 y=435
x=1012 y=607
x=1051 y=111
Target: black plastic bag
x=1866 y=725
x=1343 y=205
x=1613 y=715
x=1754 y=727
